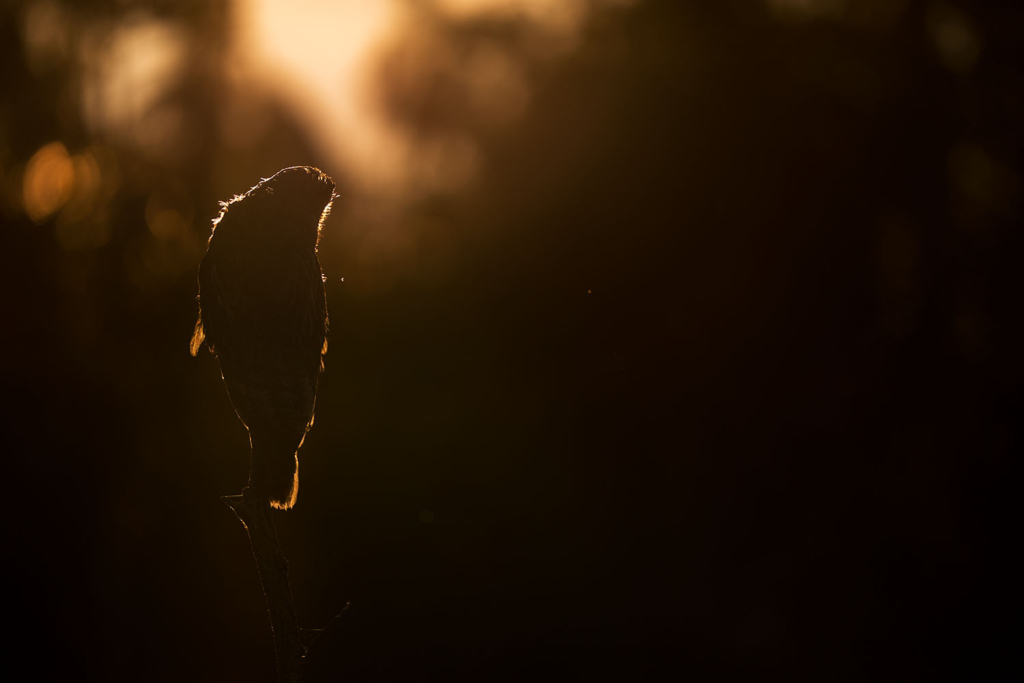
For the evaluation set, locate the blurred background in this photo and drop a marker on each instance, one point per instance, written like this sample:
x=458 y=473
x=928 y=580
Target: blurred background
x=666 y=337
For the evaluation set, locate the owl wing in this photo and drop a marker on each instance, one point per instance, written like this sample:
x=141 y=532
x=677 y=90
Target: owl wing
x=211 y=307
x=319 y=293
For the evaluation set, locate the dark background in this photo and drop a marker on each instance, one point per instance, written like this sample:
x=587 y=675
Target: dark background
x=714 y=368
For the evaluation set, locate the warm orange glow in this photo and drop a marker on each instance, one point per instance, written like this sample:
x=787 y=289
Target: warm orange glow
x=334 y=62
x=316 y=54
x=49 y=181
x=125 y=79
x=76 y=186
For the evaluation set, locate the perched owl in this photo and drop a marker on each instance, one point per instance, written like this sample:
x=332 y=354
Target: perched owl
x=263 y=312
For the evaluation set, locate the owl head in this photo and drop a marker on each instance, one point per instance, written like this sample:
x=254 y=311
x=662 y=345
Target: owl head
x=289 y=208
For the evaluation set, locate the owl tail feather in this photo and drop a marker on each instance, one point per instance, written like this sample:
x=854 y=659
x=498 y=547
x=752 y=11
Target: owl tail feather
x=275 y=474
x=285 y=491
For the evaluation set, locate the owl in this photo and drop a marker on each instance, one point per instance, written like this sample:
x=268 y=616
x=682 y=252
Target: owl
x=263 y=313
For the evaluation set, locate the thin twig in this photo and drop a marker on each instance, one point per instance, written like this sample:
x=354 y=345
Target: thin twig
x=289 y=646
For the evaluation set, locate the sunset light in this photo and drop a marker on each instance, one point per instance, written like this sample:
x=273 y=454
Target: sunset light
x=646 y=340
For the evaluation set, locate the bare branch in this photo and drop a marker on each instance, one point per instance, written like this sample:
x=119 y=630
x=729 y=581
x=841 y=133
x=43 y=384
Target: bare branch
x=290 y=643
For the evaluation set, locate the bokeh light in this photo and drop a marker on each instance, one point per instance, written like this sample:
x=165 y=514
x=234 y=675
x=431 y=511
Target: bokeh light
x=49 y=181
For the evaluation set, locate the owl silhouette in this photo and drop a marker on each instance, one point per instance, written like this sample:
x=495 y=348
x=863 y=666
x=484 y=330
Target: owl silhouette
x=263 y=313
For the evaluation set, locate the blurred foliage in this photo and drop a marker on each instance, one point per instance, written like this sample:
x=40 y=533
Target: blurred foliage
x=663 y=334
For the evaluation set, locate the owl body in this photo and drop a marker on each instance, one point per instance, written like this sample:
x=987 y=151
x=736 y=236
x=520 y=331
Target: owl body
x=263 y=312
